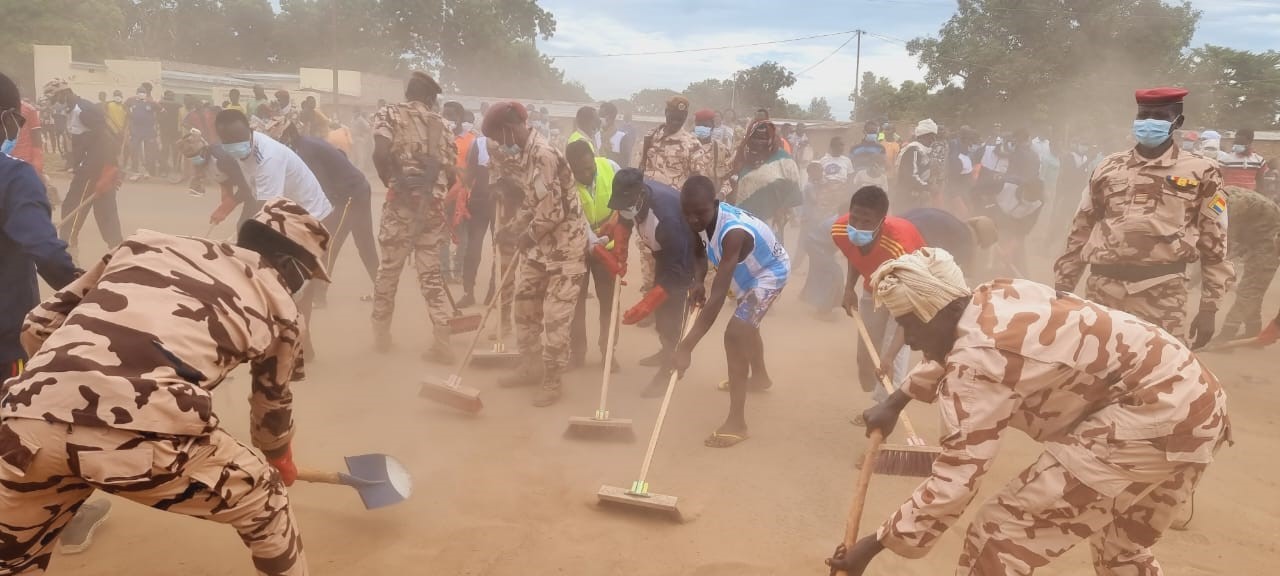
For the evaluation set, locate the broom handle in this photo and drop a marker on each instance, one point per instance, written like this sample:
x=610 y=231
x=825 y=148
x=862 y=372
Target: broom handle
x=860 y=491
x=471 y=350
x=666 y=401
x=884 y=379
x=613 y=339
x=497 y=256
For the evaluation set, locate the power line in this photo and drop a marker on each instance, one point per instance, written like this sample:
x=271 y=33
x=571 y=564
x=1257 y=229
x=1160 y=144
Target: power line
x=828 y=56
x=705 y=49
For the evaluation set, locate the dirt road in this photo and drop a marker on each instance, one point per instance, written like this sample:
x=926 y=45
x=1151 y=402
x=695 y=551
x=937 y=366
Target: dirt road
x=503 y=493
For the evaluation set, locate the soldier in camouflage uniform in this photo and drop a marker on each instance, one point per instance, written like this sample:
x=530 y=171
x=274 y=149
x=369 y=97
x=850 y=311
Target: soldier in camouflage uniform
x=1148 y=212
x=414 y=154
x=1252 y=236
x=551 y=238
x=719 y=155
x=117 y=394
x=670 y=155
x=1129 y=418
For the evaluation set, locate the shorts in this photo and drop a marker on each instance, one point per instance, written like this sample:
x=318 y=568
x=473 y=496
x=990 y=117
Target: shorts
x=754 y=304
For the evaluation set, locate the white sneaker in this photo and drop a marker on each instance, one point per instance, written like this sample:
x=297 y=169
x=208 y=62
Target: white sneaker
x=78 y=533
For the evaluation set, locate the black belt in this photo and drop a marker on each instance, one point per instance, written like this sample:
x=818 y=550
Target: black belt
x=1136 y=273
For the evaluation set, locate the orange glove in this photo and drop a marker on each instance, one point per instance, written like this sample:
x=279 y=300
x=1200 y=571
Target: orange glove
x=621 y=236
x=610 y=263
x=284 y=464
x=1270 y=334
x=646 y=306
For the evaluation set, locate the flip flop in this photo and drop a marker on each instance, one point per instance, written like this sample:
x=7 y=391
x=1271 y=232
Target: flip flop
x=723 y=386
x=720 y=440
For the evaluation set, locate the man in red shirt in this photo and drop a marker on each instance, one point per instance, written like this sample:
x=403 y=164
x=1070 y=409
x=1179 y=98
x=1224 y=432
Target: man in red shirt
x=869 y=237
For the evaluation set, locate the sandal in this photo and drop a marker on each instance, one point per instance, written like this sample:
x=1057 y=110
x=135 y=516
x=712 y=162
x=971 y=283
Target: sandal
x=722 y=440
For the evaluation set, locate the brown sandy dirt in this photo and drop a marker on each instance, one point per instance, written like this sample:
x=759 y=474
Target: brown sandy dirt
x=504 y=493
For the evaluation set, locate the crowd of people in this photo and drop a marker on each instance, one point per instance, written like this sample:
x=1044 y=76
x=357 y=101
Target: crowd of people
x=932 y=229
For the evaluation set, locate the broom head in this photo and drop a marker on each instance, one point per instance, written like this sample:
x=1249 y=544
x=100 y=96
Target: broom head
x=639 y=500
x=913 y=459
x=464 y=323
x=451 y=392
x=600 y=427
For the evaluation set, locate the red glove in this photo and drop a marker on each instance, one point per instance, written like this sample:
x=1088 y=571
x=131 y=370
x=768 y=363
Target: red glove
x=610 y=263
x=284 y=464
x=1269 y=335
x=621 y=237
x=646 y=306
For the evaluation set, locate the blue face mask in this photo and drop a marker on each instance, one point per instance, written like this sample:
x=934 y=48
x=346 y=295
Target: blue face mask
x=7 y=147
x=1239 y=149
x=872 y=138
x=1151 y=133
x=238 y=150
x=702 y=132
x=859 y=238
x=1188 y=146
x=511 y=150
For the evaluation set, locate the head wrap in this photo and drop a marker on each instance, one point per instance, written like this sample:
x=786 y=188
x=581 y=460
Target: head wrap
x=921 y=283
x=501 y=114
x=758 y=127
x=704 y=115
x=926 y=126
x=55 y=86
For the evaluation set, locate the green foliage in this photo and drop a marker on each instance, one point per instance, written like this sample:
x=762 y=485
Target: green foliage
x=652 y=101
x=90 y=27
x=1233 y=89
x=748 y=89
x=819 y=109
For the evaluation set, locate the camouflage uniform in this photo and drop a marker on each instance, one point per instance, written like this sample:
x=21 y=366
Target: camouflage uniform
x=117 y=395
x=719 y=165
x=552 y=271
x=1254 y=229
x=1138 y=226
x=1128 y=416
x=670 y=159
x=413 y=221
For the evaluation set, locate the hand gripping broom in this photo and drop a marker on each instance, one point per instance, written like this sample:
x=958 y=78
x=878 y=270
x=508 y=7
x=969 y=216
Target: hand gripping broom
x=916 y=457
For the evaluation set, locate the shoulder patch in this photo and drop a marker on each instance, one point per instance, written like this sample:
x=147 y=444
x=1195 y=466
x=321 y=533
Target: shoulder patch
x=1216 y=206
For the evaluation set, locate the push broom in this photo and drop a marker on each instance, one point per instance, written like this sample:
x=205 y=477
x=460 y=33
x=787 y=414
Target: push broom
x=601 y=424
x=451 y=391
x=916 y=457
x=865 y=471
x=639 y=495
x=499 y=354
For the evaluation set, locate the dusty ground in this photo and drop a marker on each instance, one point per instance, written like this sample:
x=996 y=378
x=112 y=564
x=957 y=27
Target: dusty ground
x=504 y=493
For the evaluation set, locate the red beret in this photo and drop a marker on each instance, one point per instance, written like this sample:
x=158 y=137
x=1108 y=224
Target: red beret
x=1159 y=96
x=704 y=115
x=500 y=114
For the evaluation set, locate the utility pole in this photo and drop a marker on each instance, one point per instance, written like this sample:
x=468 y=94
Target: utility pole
x=857 y=75
x=333 y=43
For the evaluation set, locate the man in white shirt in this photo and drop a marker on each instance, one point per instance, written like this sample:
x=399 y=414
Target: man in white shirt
x=271 y=168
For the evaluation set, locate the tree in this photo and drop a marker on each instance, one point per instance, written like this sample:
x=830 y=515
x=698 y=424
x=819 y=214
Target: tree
x=819 y=109
x=711 y=93
x=760 y=85
x=1025 y=61
x=651 y=100
x=90 y=27
x=1233 y=89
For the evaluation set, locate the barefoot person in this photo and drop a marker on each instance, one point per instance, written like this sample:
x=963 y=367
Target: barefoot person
x=1128 y=416
x=747 y=256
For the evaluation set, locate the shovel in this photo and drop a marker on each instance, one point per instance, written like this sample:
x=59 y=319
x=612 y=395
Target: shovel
x=379 y=479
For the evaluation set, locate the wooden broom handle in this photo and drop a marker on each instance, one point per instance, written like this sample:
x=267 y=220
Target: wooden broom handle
x=860 y=492
x=471 y=350
x=613 y=339
x=319 y=476
x=689 y=319
x=884 y=378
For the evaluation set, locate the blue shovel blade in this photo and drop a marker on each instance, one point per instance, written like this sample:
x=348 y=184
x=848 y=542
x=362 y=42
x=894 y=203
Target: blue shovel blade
x=379 y=479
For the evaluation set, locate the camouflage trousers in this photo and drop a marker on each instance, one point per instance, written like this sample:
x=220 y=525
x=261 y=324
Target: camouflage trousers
x=406 y=230
x=1046 y=510
x=1259 y=269
x=1164 y=304
x=47 y=470
x=545 y=301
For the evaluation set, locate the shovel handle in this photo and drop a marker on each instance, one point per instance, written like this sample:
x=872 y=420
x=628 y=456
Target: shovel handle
x=860 y=491
x=884 y=379
x=320 y=476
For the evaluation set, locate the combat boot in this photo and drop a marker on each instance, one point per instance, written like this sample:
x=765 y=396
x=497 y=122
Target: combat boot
x=441 y=351
x=528 y=373
x=548 y=394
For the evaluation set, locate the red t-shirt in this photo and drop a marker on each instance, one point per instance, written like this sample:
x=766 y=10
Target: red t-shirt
x=25 y=148
x=897 y=237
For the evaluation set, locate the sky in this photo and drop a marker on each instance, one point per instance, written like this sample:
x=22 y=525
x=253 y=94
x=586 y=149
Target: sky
x=594 y=27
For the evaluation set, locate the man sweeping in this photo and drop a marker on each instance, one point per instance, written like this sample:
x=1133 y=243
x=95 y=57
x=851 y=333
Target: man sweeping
x=551 y=236
x=607 y=253
x=749 y=258
x=1128 y=416
x=654 y=210
x=117 y=393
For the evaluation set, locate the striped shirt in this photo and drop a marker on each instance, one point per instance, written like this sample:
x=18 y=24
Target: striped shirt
x=1241 y=170
x=897 y=237
x=768 y=264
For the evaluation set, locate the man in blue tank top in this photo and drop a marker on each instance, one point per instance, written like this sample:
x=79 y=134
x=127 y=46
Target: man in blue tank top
x=751 y=260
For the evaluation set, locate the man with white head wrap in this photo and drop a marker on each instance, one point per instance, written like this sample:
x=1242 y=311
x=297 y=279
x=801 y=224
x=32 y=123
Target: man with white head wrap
x=915 y=168
x=1128 y=416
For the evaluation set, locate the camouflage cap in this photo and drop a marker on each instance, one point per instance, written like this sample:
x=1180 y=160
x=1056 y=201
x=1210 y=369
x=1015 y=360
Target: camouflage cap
x=55 y=86
x=299 y=226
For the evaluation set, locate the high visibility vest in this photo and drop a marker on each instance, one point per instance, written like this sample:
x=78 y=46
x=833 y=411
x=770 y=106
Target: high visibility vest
x=578 y=135
x=596 y=208
x=463 y=143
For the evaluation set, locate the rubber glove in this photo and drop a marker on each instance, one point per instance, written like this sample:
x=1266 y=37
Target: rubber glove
x=610 y=263
x=284 y=464
x=646 y=306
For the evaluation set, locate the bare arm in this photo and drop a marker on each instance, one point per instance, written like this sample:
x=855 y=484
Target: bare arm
x=736 y=243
